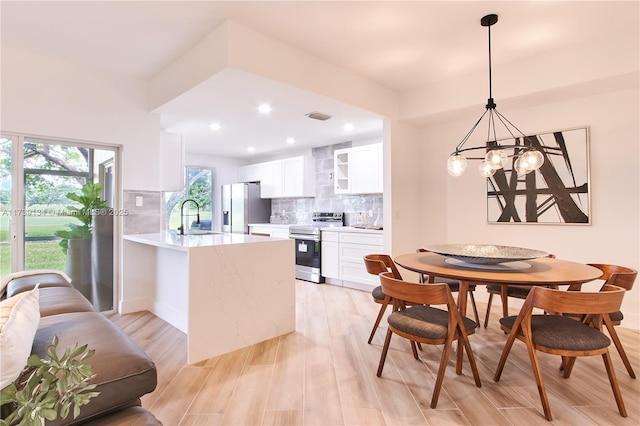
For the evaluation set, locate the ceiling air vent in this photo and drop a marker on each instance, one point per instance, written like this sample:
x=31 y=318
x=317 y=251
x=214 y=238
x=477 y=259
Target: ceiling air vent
x=318 y=116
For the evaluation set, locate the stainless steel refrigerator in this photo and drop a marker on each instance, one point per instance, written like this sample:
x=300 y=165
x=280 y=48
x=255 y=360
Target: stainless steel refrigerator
x=242 y=205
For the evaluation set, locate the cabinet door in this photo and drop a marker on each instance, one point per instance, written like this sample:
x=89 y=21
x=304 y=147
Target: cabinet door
x=342 y=171
x=293 y=177
x=270 y=179
x=352 y=266
x=249 y=173
x=365 y=167
x=276 y=179
x=260 y=230
x=330 y=259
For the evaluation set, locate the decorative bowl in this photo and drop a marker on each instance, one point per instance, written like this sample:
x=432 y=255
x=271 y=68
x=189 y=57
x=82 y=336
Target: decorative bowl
x=485 y=254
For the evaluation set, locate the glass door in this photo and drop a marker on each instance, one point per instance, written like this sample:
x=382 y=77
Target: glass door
x=53 y=223
x=7 y=229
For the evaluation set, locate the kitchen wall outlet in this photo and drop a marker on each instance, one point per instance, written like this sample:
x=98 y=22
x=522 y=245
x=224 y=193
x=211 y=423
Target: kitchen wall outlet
x=138 y=201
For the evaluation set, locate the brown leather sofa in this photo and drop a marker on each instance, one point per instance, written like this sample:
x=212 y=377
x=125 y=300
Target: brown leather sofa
x=124 y=372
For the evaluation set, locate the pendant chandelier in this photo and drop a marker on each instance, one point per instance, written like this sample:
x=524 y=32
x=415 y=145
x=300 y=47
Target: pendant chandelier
x=525 y=157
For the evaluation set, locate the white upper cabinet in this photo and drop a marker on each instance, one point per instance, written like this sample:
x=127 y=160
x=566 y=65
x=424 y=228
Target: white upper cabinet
x=272 y=173
x=298 y=177
x=290 y=177
x=171 y=162
x=342 y=171
x=358 y=170
x=249 y=173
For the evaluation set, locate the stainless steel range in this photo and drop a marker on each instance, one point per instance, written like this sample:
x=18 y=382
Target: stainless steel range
x=308 y=243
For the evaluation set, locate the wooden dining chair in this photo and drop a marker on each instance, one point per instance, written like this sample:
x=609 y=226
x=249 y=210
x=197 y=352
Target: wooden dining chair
x=376 y=264
x=454 y=286
x=424 y=323
x=624 y=277
x=506 y=291
x=563 y=335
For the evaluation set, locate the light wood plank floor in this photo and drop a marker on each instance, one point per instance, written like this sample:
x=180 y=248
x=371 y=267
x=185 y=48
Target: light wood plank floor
x=324 y=374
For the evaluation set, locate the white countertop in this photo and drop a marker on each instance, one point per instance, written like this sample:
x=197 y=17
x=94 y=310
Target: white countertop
x=183 y=242
x=352 y=229
x=274 y=225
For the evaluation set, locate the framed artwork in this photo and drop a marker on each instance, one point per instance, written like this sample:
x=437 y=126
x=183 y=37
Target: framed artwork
x=557 y=193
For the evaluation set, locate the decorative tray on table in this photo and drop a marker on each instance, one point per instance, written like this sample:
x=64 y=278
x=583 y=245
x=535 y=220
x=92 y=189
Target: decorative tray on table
x=485 y=254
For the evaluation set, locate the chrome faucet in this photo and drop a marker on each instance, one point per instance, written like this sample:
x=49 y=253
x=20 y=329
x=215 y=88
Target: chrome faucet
x=182 y=215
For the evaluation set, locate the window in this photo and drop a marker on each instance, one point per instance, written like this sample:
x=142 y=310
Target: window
x=200 y=187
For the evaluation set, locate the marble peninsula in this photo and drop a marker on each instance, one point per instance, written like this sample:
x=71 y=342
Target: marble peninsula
x=225 y=291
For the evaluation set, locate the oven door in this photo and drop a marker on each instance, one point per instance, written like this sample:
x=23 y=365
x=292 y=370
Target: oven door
x=307 y=250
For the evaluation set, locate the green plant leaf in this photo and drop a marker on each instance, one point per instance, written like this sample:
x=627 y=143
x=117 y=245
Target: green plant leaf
x=51 y=387
x=8 y=394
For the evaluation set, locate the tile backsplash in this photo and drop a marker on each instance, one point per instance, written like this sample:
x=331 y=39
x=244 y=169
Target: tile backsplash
x=355 y=207
x=144 y=212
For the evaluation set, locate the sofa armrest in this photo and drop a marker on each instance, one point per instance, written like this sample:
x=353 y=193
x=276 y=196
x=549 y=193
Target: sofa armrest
x=18 y=282
x=5 y=280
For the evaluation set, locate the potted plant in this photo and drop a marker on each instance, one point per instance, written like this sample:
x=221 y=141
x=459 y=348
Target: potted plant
x=48 y=388
x=76 y=241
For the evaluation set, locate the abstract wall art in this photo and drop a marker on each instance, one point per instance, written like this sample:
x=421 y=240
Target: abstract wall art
x=557 y=193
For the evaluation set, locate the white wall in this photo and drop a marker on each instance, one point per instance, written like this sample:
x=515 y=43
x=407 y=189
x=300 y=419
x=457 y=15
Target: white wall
x=47 y=96
x=614 y=234
x=226 y=168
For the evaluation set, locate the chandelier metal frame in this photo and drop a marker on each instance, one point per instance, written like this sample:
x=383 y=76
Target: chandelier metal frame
x=495 y=157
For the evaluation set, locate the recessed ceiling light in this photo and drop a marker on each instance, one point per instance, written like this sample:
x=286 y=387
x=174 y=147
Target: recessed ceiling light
x=214 y=126
x=291 y=140
x=348 y=127
x=251 y=149
x=264 y=108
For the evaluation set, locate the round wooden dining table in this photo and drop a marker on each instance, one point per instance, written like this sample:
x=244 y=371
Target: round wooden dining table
x=544 y=271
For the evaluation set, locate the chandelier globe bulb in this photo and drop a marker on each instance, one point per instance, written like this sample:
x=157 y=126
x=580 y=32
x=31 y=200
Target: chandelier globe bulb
x=521 y=167
x=486 y=169
x=533 y=158
x=456 y=164
x=496 y=158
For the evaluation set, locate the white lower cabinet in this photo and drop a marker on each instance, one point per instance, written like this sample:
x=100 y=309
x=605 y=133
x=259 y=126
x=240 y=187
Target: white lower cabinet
x=330 y=255
x=276 y=231
x=343 y=257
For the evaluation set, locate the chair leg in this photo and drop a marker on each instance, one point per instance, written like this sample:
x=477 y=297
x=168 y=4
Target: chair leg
x=413 y=349
x=505 y=303
x=446 y=352
x=567 y=365
x=378 y=319
x=472 y=361
x=535 y=366
x=385 y=348
x=475 y=308
x=505 y=353
x=614 y=383
x=623 y=354
x=486 y=315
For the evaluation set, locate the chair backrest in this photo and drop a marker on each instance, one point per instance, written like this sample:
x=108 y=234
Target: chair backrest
x=608 y=299
x=378 y=263
x=435 y=294
x=620 y=276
